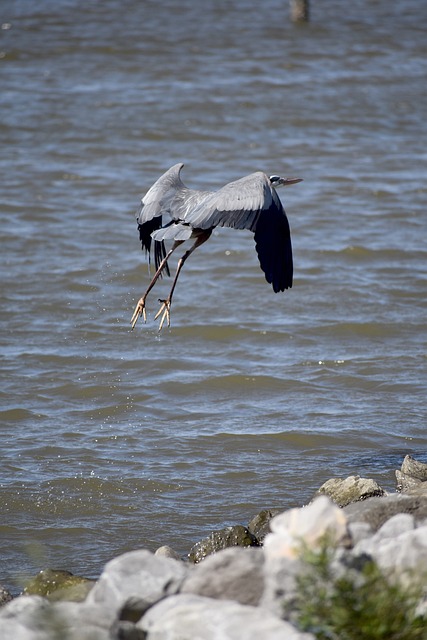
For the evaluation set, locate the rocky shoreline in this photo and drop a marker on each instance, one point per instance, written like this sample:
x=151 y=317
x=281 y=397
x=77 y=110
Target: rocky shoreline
x=258 y=581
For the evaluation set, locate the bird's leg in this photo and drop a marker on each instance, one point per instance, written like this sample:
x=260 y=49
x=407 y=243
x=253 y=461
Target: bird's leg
x=140 y=307
x=202 y=236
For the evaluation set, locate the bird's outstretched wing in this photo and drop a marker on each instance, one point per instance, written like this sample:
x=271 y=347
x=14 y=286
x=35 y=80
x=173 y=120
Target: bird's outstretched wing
x=252 y=203
x=157 y=201
x=155 y=206
x=236 y=205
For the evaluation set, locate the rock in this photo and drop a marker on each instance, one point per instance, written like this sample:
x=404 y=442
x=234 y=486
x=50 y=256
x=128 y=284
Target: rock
x=187 y=616
x=405 y=483
x=231 y=574
x=138 y=574
x=5 y=596
x=359 y=531
x=35 y=618
x=127 y=631
x=292 y=531
x=420 y=490
x=57 y=584
x=237 y=536
x=26 y=614
x=124 y=628
x=352 y=489
x=412 y=476
x=414 y=468
x=167 y=552
x=306 y=526
x=376 y=511
x=259 y=526
x=81 y=621
x=398 y=547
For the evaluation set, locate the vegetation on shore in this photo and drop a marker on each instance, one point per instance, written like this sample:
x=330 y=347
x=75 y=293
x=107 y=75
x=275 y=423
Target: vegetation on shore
x=360 y=603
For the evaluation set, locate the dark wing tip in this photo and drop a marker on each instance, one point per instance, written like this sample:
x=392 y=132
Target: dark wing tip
x=274 y=248
x=145 y=231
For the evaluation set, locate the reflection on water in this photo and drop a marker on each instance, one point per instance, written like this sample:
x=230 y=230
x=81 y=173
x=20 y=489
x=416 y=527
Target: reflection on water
x=112 y=439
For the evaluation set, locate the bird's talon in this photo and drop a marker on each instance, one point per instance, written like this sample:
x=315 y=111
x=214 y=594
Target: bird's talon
x=165 y=311
x=139 y=311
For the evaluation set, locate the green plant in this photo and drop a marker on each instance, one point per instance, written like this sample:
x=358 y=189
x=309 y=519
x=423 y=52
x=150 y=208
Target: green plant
x=361 y=604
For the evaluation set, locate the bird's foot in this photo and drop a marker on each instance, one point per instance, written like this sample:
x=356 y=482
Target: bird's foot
x=165 y=310
x=139 y=311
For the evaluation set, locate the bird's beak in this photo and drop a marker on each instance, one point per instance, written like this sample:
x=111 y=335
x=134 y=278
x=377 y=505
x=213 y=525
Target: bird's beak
x=287 y=181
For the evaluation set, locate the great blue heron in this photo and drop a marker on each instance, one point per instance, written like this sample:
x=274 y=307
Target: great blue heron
x=171 y=211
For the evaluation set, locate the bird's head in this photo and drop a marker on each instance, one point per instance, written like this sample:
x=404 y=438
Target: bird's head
x=277 y=181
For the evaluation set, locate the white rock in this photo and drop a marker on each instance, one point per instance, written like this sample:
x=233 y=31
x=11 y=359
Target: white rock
x=35 y=618
x=394 y=526
x=306 y=526
x=199 y=618
x=138 y=574
x=167 y=552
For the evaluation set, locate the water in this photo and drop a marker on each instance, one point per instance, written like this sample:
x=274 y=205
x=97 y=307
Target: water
x=113 y=440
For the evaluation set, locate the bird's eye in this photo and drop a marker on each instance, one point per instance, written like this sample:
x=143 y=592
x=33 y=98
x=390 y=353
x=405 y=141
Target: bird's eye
x=274 y=178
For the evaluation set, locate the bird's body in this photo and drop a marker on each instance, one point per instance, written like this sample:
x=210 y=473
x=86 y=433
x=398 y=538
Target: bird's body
x=171 y=211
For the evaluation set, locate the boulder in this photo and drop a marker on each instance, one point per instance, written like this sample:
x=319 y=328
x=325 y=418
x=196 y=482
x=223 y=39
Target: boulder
x=293 y=531
x=237 y=536
x=5 y=595
x=35 y=618
x=376 y=511
x=200 y=618
x=167 y=552
x=57 y=584
x=138 y=574
x=307 y=526
x=259 y=526
x=231 y=574
x=398 y=546
x=414 y=468
x=412 y=477
x=351 y=489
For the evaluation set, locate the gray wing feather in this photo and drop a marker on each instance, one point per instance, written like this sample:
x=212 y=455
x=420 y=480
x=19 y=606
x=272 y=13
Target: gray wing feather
x=158 y=199
x=236 y=205
x=173 y=232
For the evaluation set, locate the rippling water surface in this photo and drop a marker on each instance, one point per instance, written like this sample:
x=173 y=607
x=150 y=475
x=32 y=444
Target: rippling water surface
x=113 y=440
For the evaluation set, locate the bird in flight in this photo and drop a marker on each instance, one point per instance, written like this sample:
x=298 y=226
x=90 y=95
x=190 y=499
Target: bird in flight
x=170 y=211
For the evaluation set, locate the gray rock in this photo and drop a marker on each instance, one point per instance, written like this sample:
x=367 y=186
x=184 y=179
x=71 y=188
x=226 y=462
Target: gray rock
x=259 y=526
x=80 y=621
x=404 y=555
x=351 y=489
x=35 y=618
x=405 y=483
x=280 y=585
x=237 y=536
x=418 y=490
x=231 y=574
x=396 y=525
x=5 y=596
x=414 y=468
x=28 y=612
x=138 y=574
x=412 y=476
x=167 y=552
x=359 y=531
x=191 y=617
x=376 y=511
